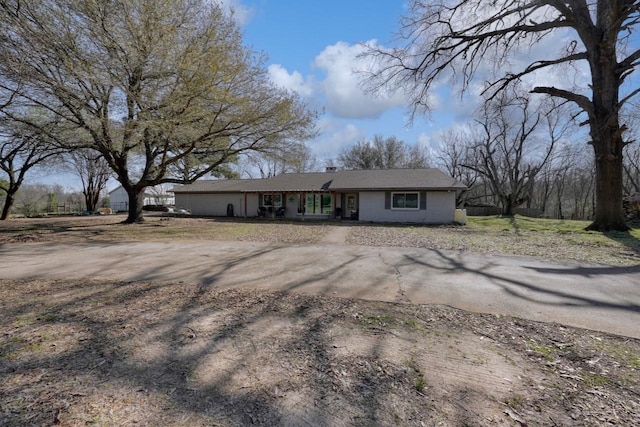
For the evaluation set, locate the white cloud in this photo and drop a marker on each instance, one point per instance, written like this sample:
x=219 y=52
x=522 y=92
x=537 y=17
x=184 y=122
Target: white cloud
x=294 y=81
x=575 y=76
x=345 y=96
x=241 y=13
x=424 y=140
x=334 y=136
x=463 y=108
x=430 y=144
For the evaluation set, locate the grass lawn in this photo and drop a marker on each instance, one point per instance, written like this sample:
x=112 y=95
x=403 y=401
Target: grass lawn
x=570 y=231
x=78 y=352
x=546 y=238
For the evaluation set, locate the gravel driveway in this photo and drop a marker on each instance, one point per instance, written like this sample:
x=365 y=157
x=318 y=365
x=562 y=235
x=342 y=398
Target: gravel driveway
x=603 y=298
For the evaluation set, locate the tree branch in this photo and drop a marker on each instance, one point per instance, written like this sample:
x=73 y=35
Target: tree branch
x=581 y=100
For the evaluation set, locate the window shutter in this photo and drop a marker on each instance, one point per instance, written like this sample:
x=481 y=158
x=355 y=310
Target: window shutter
x=387 y=200
x=423 y=200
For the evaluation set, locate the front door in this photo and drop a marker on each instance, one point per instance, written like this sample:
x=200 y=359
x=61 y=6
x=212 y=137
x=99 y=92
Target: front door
x=351 y=206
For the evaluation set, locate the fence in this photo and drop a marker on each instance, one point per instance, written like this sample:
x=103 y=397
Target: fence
x=494 y=210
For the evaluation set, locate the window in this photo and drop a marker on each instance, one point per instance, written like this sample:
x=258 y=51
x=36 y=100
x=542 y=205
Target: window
x=269 y=199
x=316 y=204
x=405 y=200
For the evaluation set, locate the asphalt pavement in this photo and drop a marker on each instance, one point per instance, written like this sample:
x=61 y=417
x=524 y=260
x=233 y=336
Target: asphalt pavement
x=597 y=297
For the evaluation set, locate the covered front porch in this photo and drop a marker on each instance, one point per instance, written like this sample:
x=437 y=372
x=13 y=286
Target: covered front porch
x=304 y=204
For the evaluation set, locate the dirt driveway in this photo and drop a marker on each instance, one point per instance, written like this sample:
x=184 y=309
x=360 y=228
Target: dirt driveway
x=253 y=333
x=602 y=298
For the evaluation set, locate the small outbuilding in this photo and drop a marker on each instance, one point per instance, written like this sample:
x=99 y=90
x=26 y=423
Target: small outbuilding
x=119 y=199
x=424 y=196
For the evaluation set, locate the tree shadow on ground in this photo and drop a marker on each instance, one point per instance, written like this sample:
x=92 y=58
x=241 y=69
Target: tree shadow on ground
x=626 y=239
x=180 y=348
x=182 y=353
x=35 y=229
x=513 y=222
x=177 y=354
x=536 y=294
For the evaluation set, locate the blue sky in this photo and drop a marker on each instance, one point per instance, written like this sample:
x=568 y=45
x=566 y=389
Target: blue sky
x=312 y=46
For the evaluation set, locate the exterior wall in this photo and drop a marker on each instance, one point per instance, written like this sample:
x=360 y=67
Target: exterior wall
x=441 y=207
x=118 y=200
x=291 y=206
x=371 y=205
x=216 y=204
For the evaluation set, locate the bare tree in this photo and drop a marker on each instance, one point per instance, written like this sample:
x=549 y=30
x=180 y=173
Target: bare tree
x=416 y=157
x=361 y=155
x=632 y=150
x=579 y=191
x=38 y=198
x=151 y=84
x=511 y=150
x=557 y=179
x=23 y=148
x=293 y=157
x=632 y=169
x=383 y=153
x=459 y=40
x=93 y=171
x=160 y=194
x=566 y=184
x=31 y=200
x=455 y=152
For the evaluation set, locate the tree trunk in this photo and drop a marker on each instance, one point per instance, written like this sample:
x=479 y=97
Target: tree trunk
x=91 y=199
x=136 y=202
x=8 y=203
x=508 y=207
x=609 y=212
x=560 y=214
x=604 y=121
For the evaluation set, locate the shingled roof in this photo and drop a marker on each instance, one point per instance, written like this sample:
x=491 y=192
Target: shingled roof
x=349 y=180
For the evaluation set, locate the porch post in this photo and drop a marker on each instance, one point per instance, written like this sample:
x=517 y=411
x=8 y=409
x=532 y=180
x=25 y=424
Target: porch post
x=334 y=204
x=245 y=205
x=273 y=205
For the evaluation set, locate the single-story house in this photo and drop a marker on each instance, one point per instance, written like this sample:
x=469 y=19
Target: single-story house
x=392 y=195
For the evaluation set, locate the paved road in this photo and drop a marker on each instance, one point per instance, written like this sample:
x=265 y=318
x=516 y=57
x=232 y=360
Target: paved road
x=601 y=298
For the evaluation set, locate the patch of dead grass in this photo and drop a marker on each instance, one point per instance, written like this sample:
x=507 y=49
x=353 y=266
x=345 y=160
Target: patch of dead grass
x=551 y=239
x=156 y=228
x=544 y=238
x=116 y=353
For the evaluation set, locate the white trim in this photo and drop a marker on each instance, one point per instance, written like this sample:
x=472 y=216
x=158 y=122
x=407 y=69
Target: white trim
x=417 y=193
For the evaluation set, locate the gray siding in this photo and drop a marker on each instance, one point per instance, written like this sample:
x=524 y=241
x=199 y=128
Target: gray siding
x=440 y=208
x=118 y=200
x=216 y=204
